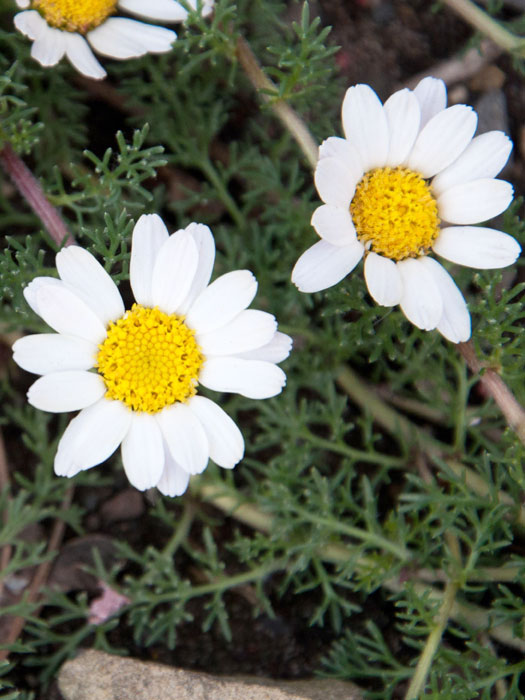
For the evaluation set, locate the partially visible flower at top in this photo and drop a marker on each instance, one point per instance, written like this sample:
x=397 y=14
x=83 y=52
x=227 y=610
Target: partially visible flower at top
x=408 y=179
x=134 y=374
x=69 y=27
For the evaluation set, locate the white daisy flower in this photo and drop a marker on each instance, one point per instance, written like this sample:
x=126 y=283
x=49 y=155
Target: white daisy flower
x=134 y=374
x=74 y=27
x=409 y=179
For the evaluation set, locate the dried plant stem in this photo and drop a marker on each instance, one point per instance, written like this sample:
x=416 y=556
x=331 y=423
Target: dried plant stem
x=484 y=23
x=460 y=67
x=32 y=191
x=266 y=88
x=40 y=577
x=496 y=388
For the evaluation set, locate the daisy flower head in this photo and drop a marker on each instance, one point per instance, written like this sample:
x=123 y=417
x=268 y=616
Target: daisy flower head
x=134 y=374
x=409 y=179
x=74 y=28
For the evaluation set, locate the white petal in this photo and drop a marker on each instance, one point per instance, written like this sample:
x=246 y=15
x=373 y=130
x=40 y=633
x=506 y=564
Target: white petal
x=226 y=297
x=185 y=437
x=324 y=265
x=92 y=437
x=335 y=147
x=149 y=235
x=49 y=46
x=431 y=93
x=81 y=57
x=23 y=3
x=421 y=300
x=30 y=292
x=225 y=440
x=120 y=37
x=455 y=320
x=275 y=351
x=206 y=8
x=174 y=271
x=166 y=10
x=52 y=352
x=442 y=140
x=66 y=313
x=334 y=225
x=484 y=157
x=86 y=277
x=205 y=243
x=336 y=182
x=30 y=23
x=383 y=280
x=403 y=115
x=143 y=452
x=249 y=330
x=250 y=378
x=474 y=201
x=365 y=125
x=477 y=247
x=71 y=390
x=174 y=480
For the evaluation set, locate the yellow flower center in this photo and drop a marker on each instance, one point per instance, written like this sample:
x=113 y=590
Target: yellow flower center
x=395 y=213
x=149 y=360
x=75 y=15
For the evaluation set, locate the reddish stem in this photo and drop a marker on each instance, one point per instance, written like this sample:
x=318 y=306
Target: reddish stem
x=32 y=191
x=496 y=387
x=39 y=579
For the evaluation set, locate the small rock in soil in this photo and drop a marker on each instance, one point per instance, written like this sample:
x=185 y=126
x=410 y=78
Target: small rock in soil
x=95 y=675
x=126 y=505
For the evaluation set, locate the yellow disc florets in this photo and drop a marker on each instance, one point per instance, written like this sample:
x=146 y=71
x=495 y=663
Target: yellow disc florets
x=395 y=213
x=149 y=360
x=75 y=15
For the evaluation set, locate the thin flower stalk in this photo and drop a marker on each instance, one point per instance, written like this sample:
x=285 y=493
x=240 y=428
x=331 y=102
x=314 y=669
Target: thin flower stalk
x=32 y=191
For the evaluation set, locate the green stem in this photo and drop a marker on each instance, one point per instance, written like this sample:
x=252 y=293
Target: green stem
x=508 y=670
x=224 y=583
x=484 y=23
x=434 y=638
x=481 y=488
x=352 y=452
x=236 y=214
x=181 y=531
x=372 y=538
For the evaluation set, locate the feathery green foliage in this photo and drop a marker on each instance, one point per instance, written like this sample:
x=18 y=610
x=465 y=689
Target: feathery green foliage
x=367 y=490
